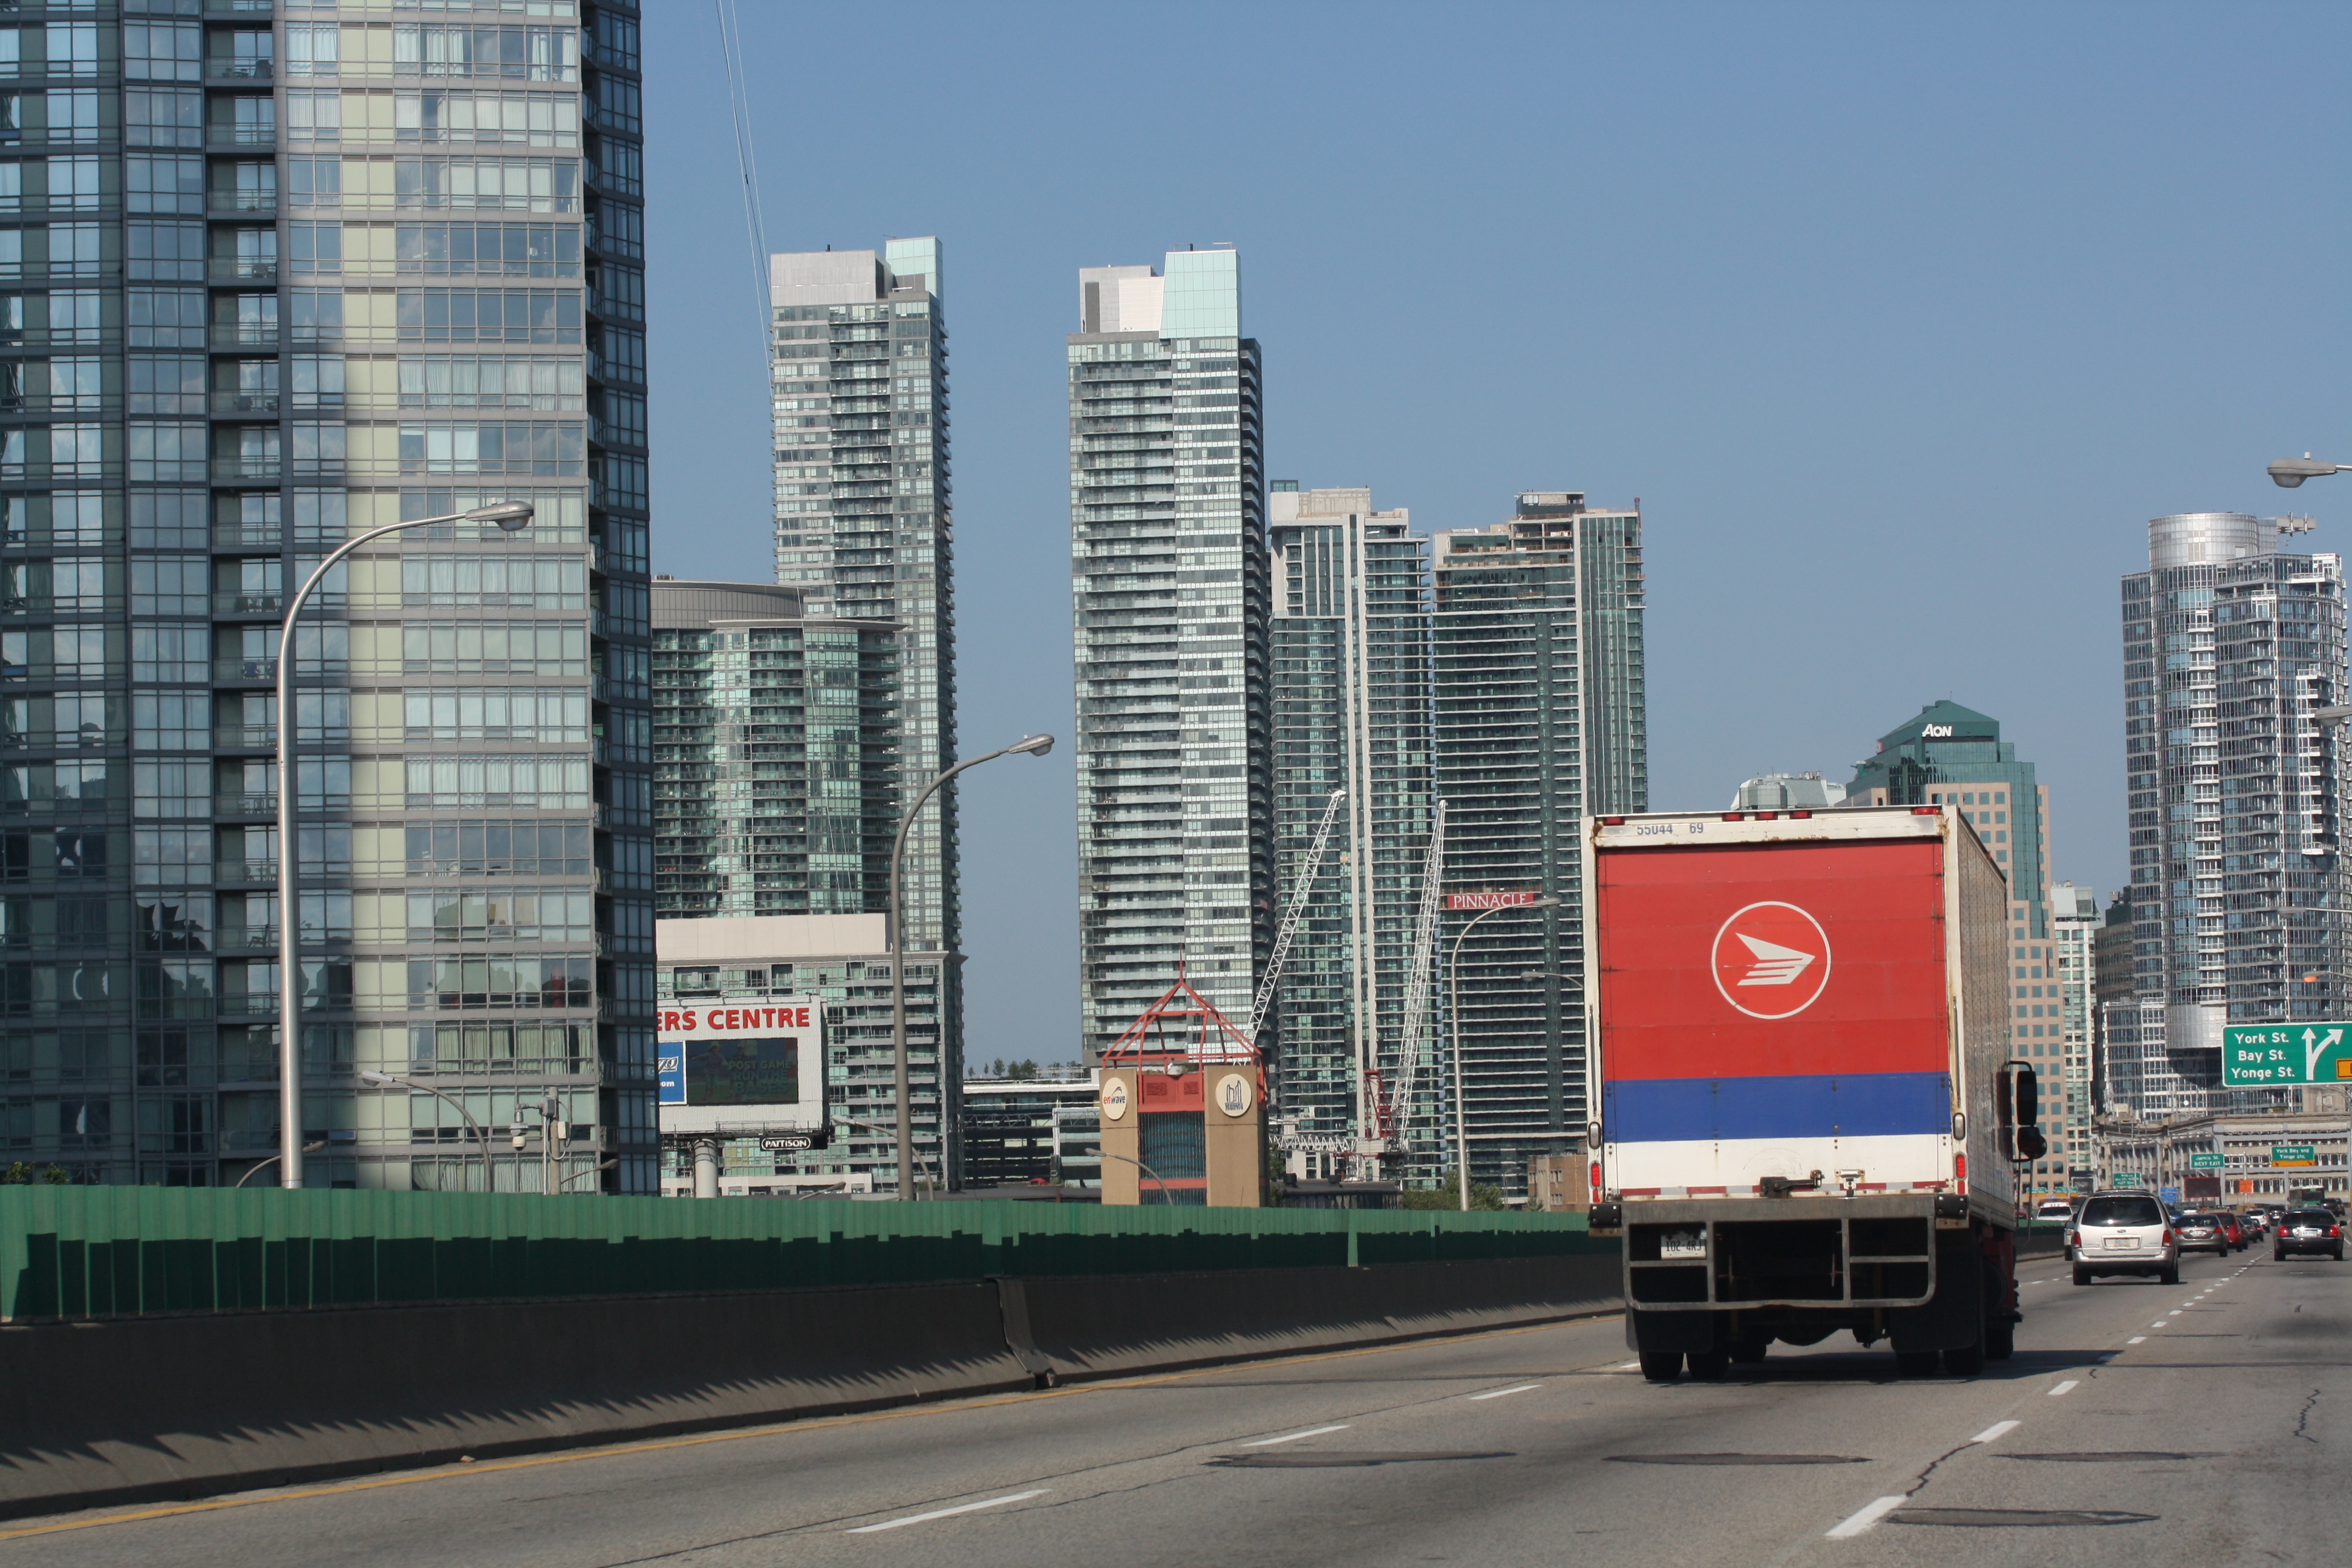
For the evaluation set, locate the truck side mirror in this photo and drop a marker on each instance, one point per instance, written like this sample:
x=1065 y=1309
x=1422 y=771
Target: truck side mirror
x=2029 y=1096
x=2004 y=1112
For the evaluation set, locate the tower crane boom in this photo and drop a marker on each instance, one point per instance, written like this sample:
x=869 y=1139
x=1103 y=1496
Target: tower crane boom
x=1263 y=1003
x=1421 y=976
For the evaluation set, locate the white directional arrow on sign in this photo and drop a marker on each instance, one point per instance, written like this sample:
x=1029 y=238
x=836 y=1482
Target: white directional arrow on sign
x=2312 y=1052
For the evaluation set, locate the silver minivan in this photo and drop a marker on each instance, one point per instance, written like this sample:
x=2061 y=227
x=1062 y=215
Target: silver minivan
x=2124 y=1233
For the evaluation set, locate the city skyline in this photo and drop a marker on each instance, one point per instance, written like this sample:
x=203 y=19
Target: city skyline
x=1791 y=316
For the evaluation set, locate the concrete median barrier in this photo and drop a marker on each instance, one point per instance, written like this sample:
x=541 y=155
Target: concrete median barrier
x=168 y=1407
x=171 y=1407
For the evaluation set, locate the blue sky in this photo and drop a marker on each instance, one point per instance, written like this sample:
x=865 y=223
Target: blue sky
x=1900 y=321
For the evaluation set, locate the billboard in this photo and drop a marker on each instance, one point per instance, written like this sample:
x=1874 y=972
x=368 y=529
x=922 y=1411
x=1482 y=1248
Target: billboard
x=760 y=1063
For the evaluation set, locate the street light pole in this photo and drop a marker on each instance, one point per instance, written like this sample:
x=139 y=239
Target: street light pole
x=1453 y=1006
x=490 y=1171
x=1035 y=746
x=508 y=515
x=1164 y=1199
x=875 y=1127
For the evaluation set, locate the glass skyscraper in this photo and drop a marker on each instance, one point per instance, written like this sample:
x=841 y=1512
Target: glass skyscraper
x=776 y=742
x=277 y=276
x=865 y=527
x=1540 y=721
x=1171 y=581
x=1351 y=710
x=2231 y=648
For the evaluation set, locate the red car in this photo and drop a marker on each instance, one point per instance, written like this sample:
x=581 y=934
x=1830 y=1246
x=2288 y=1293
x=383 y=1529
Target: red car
x=2234 y=1229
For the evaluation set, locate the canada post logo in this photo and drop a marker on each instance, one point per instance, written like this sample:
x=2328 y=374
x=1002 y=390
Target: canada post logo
x=1771 y=961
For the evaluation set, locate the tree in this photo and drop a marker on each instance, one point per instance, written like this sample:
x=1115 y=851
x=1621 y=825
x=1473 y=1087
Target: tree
x=20 y=1175
x=1447 y=1194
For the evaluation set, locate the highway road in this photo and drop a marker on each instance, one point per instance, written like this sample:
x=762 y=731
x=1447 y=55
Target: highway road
x=2208 y=1424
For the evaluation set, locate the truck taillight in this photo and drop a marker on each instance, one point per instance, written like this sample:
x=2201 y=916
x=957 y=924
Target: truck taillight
x=1595 y=1187
x=1960 y=1174
x=1731 y=816
x=1766 y=815
x=1612 y=822
x=1800 y=816
x=1923 y=811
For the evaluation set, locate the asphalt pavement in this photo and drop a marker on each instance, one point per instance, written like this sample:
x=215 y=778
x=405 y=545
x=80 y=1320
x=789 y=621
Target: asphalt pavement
x=2205 y=1424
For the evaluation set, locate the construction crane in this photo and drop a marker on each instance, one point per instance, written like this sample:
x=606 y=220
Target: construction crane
x=1263 y=1003
x=1419 y=980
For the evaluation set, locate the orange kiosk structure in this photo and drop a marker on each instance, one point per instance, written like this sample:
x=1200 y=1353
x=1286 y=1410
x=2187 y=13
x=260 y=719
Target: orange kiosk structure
x=1183 y=1099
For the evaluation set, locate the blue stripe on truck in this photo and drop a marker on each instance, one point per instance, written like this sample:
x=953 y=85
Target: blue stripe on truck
x=1854 y=1105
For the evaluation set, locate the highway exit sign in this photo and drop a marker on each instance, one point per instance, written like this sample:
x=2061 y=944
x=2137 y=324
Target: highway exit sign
x=2204 y=1161
x=2126 y=1178
x=2254 y=1055
x=2293 y=1154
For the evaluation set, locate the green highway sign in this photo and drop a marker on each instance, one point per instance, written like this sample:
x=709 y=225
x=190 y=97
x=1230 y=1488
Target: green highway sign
x=2254 y=1055
x=2126 y=1178
x=2293 y=1154
x=2204 y=1161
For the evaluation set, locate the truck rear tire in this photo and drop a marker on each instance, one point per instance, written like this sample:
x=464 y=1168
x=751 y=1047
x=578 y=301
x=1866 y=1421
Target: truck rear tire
x=1748 y=1352
x=1710 y=1366
x=1965 y=1361
x=1661 y=1366
x=1916 y=1364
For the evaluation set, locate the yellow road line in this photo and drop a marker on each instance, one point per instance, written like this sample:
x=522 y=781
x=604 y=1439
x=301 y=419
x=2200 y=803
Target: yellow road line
x=775 y=1429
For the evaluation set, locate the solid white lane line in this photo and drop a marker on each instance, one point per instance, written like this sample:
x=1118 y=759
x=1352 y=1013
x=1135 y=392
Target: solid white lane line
x=945 y=1512
x=1294 y=1437
x=2063 y=1387
x=1865 y=1518
x=1499 y=1393
x=1997 y=1430
x=2136 y=1340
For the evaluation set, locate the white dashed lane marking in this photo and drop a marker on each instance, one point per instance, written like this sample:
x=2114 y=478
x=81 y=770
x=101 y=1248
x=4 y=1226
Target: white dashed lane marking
x=2069 y=1384
x=1997 y=1430
x=1294 y=1437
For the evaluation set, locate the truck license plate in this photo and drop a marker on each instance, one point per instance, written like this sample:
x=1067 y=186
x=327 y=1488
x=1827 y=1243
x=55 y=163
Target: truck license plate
x=1683 y=1246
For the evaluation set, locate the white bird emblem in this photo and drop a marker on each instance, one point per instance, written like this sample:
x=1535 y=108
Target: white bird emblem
x=1775 y=965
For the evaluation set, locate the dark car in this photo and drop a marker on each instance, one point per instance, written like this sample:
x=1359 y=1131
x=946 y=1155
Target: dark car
x=2254 y=1225
x=2302 y=1231
x=2202 y=1232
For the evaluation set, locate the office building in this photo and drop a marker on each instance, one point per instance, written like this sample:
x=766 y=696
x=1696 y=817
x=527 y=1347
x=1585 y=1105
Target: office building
x=273 y=285
x=1170 y=582
x=777 y=746
x=845 y=960
x=1009 y=1129
x=1786 y=792
x=1539 y=720
x=1350 y=641
x=2066 y=1066
x=865 y=520
x=2230 y=648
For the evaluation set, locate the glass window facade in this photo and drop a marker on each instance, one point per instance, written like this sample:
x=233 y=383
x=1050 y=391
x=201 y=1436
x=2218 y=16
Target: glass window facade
x=1539 y=720
x=1170 y=577
x=188 y=424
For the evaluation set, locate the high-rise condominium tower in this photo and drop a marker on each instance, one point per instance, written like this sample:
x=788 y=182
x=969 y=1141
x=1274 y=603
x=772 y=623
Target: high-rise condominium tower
x=864 y=524
x=1169 y=566
x=2230 y=648
x=274 y=280
x=1350 y=637
x=1540 y=721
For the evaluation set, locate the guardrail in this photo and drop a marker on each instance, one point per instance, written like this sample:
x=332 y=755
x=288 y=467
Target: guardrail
x=111 y=1252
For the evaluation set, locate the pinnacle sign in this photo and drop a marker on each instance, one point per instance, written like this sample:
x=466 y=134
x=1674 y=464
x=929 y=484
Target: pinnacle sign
x=2257 y=1055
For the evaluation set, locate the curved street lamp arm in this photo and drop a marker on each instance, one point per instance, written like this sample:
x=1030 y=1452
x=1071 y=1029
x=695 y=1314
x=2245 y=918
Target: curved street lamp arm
x=897 y=930
x=290 y=909
x=1140 y=1165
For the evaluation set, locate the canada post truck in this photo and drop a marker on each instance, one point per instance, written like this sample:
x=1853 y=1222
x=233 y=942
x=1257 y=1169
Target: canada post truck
x=1808 y=1112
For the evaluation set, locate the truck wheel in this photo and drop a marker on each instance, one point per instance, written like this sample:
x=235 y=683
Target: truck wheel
x=1967 y=1361
x=2081 y=1277
x=1661 y=1366
x=1748 y=1353
x=1710 y=1366
x=1916 y=1364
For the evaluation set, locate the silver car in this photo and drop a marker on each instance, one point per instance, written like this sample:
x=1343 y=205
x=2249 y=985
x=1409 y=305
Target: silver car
x=2124 y=1233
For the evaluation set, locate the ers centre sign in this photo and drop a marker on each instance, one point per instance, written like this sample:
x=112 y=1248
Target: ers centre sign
x=734 y=1057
